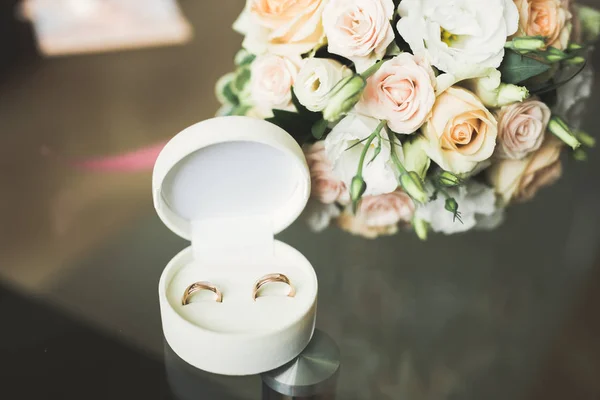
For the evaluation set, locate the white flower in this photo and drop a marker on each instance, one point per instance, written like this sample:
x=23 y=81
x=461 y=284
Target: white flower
x=493 y=93
x=318 y=216
x=271 y=83
x=359 y=30
x=458 y=36
x=315 y=80
x=572 y=97
x=492 y=221
x=475 y=201
x=344 y=146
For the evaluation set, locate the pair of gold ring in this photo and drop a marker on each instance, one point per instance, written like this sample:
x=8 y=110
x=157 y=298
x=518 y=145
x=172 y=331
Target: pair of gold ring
x=270 y=278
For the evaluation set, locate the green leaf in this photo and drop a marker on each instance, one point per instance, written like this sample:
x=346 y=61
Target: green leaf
x=318 y=129
x=305 y=112
x=230 y=95
x=241 y=79
x=285 y=114
x=516 y=68
x=240 y=110
x=293 y=123
x=357 y=143
x=244 y=59
x=377 y=151
x=563 y=77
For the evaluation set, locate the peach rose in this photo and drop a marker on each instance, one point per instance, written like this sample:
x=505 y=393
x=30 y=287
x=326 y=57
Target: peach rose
x=461 y=132
x=521 y=128
x=283 y=27
x=359 y=30
x=548 y=18
x=379 y=215
x=325 y=186
x=271 y=81
x=401 y=92
x=519 y=180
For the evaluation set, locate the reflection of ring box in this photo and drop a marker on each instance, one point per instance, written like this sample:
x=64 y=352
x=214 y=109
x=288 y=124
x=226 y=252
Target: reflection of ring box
x=229 y=184
x=189 y=383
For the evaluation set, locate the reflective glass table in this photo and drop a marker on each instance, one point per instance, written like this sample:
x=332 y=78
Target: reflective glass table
x=509 y=314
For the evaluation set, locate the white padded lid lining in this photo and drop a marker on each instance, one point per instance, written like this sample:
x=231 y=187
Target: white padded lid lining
x=230 y=167
x=233 y=179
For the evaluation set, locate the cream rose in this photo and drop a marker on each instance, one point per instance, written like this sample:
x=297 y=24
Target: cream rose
x=326 y=187
x=359 y=30
x=271 y=83
x=460 y=37
x=283 y=27
x=379 y=215
x=461 y=132
x=400 y=92
x=315 y=80
x=519 y=180
x=548 y=18
x=521 y=128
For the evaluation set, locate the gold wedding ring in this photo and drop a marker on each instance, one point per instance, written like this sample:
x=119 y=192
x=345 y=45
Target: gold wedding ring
x=198 y=286
x=271 y=278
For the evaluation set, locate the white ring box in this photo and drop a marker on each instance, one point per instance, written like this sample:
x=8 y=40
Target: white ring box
x=228 y=185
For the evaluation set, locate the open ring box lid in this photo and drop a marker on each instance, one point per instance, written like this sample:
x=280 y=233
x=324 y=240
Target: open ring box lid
x=228 y=185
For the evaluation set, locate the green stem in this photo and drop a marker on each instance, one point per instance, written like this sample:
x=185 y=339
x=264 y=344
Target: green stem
x=363 y=155
x=444 y=192
x=395 y=158
x=372 y=69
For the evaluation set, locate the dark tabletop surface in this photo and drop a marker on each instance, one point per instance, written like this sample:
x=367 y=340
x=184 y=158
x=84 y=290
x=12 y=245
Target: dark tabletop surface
x=511 y=314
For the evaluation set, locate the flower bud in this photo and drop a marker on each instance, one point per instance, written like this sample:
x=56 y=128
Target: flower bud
x=559 y=128
x=343 y=97
x=574 y=47
x=448 y=179
x=415 y=158
x=421 y=228
x=585 y=139
x=413 y=185
x=358 y=186
x=494 y=93
x=451 y=205
x=557 y=52
x=527 y=44
x=580 y=155
x=554 y=58
x=575 y=60
x=555 y=55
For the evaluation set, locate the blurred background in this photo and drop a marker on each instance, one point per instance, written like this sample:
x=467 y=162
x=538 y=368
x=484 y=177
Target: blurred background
x=507 y=314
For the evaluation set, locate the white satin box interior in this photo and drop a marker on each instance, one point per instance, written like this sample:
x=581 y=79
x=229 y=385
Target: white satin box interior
x=228 y=185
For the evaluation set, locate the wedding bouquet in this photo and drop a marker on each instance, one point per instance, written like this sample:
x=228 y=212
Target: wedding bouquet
x=435 y=114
